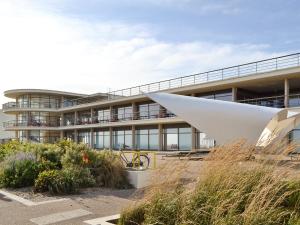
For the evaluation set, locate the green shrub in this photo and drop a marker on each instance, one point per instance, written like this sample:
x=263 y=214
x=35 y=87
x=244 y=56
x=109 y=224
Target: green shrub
x=65 y=181
x=19 y=170
x=14 y=147
x=74 y=155
x=48 y=152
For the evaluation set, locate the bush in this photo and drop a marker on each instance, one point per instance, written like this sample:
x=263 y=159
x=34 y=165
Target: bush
x=75 y=160
x=13 y=147
x=65 y=181
x=19 y=170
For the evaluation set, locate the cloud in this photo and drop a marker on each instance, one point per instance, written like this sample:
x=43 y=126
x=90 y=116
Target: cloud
x=45 y=49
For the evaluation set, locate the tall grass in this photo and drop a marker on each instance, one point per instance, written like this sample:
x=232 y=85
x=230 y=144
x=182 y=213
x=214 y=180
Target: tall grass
x=236 y=184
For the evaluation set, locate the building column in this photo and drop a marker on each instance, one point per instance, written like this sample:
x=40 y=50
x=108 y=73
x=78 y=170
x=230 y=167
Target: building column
x=92 y=138
x=27 y=135
x=16 y=135
x=76 y=136
x=62 y=99
x=61 y=134
x=133 y=138
x=134 y=111
x=75 y=117
x=234 y=94
x=92 y=115
x=194 y=144
x=111 y=138
x=112 y=114
x=286 y=93
x=160 y=138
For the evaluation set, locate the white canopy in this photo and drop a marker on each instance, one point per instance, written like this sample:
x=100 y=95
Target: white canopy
x=228 y=121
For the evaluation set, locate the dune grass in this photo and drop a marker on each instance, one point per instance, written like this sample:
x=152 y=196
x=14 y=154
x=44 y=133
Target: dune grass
x=231 y=187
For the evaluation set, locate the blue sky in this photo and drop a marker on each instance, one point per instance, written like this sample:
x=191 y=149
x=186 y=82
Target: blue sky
x=261 y=22
x=96 y=45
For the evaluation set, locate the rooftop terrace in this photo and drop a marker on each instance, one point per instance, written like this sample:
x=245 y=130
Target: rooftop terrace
x=248 y=69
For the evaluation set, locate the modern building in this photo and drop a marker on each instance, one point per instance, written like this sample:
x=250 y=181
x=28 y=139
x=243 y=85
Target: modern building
x=127 y=116
x=5 y=135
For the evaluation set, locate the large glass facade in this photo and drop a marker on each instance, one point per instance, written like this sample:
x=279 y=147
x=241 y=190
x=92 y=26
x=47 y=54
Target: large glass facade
x=101 y=139
x=225 y=95
x=203 y=142
x=124 y=113
x=43 y=136
x=102 y=116
x=38 y=101
x=178 y=138
x=38 y=119
x=294 y=100
x=122 y=138
x=84 y=117
x=84 y=137
x=149 y=111
x=69 y=135
x=147 y=139
x=69 y=119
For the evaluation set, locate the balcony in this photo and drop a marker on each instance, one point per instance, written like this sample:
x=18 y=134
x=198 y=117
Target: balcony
x=119 y=118
x=32 y=123
x=27 y=105
x=274 y=101
x=249 y=69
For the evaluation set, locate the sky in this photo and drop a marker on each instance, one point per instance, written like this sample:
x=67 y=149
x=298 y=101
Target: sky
x=90 y=46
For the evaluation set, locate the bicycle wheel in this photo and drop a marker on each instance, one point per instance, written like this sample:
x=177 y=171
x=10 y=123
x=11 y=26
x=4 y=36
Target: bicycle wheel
x=142 y=162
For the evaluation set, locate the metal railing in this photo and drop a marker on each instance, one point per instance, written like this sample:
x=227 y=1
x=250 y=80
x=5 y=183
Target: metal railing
x=120 y=117
x=30 y=123
x=30 y=105
x=274 y=101
x=247 y=69
x=268 y=65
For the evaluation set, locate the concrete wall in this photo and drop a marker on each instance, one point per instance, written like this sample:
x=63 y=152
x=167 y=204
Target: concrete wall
x=4 y=118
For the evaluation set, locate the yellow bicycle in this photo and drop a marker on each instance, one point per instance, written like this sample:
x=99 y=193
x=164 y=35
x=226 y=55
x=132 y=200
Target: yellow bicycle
x=139 y=160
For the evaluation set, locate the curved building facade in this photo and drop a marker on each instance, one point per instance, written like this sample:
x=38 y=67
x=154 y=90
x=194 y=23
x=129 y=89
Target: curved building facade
x=128 y=116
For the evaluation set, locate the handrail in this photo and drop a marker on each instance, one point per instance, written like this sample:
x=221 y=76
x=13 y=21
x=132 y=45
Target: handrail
x=247 y=69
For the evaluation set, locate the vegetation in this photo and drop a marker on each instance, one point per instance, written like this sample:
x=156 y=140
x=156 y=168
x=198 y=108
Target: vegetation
x=59 y=168
x=230 y=189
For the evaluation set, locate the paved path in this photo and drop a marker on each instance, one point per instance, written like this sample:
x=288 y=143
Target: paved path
x=73 y=210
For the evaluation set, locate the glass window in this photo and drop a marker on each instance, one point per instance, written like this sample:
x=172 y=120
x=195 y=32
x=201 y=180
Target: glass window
x=185 y=138
x=101 y=139
x=147 y=139
x=220 y=95
x=124 y=113
x=294 y=100
x=84 y=137
x=178 y=138
x=69 y=135
x=69 y=119
x=150 y=110
x=203 y=141
x=122 y=138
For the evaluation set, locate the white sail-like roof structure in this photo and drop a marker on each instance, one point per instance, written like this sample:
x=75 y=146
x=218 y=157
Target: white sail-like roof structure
x=228 y=121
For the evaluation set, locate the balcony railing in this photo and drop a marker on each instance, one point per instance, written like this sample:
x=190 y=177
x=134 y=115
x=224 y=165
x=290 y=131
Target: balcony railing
x=120 y=118
x=274 y=101
x=32 y=123
x=268 y=65
x=27 y=105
